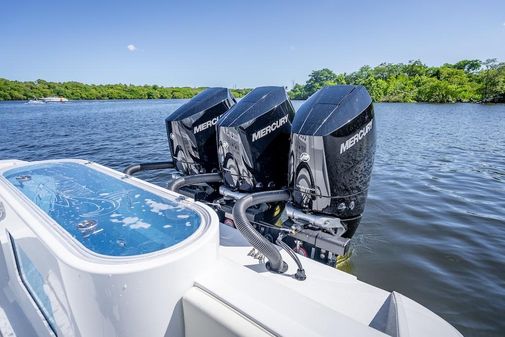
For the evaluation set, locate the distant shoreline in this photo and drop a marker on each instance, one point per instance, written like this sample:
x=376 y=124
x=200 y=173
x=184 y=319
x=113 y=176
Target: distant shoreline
x=467 y=81
x=31 y=90
x=163 y=99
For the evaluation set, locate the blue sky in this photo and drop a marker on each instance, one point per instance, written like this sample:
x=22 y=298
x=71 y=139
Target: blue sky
x=236 y=43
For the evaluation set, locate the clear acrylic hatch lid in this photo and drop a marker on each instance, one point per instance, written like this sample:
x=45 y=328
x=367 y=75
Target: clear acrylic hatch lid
x=107 y=215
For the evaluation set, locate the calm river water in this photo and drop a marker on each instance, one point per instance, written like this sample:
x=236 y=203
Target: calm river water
x=434 y=226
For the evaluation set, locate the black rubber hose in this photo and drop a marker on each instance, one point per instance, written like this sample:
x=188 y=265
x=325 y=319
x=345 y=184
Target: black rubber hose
x=176 y=184
x=259 y=242
x=300 y=273
x=132 y=169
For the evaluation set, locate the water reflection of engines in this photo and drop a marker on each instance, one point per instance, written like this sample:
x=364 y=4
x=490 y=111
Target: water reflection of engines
x=323 y=155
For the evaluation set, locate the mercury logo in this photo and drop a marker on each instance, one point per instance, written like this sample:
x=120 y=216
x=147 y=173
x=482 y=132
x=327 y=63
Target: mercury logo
x=265 y=131
x=205 y=125
x=356 y=138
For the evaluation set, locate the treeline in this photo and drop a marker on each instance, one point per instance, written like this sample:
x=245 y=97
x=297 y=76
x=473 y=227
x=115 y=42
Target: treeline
x=15 y=90
x=464 y=81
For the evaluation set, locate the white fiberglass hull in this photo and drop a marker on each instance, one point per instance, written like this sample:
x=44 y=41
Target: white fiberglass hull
x=206 y=284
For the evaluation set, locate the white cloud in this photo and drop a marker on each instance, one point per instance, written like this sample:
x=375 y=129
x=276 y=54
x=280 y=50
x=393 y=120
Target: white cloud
x=131 y=47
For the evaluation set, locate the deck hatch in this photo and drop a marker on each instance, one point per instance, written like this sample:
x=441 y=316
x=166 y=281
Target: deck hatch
x=107 y=215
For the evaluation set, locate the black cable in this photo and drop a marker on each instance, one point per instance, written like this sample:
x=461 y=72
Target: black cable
x=300 y=273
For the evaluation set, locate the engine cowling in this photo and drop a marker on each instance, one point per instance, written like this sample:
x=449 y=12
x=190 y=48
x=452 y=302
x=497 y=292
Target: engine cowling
x=191 y=131
x=253 y=140
x=332 y=153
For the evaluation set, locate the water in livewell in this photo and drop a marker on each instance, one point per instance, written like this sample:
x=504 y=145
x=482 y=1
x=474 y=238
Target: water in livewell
x=434 y=226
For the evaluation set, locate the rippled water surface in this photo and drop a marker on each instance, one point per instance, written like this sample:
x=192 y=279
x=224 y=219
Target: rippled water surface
x=434 y=227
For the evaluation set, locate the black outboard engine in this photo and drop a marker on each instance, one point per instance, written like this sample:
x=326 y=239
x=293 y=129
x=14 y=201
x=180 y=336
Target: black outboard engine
x=315 y=164
x=332 y=154
x=253 y=140
x=330 y=163
x=192 y=134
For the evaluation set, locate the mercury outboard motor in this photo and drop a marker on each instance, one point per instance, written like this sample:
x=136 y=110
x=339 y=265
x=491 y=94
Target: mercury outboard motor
x=253 y=140
x=191 y=131
x=330 y=164
x=332 y=154
x=315 y=165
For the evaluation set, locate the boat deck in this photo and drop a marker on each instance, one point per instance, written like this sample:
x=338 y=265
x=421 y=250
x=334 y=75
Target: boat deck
x=234 y=287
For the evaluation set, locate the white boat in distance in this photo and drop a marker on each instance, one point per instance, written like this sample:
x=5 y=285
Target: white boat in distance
x=54 y=99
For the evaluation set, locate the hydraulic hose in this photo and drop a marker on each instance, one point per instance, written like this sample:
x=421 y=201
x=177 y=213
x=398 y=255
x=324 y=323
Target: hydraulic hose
x=176 y=184
x=132 y=169
x=245 y=227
